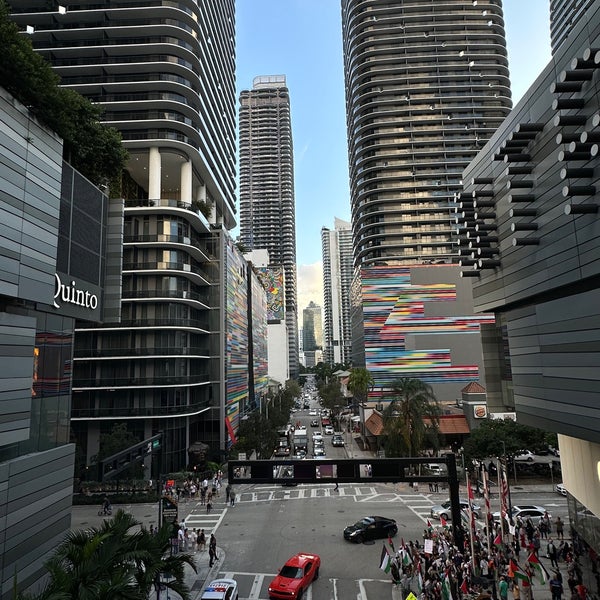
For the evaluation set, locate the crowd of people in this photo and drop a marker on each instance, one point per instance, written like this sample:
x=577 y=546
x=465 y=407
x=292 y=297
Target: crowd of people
x=496 y=563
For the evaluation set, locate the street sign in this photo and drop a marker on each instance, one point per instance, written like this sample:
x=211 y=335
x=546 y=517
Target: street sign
x=168 y=510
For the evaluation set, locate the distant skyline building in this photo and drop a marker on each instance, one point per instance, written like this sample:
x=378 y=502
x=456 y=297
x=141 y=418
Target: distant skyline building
x=426 y=86
x=267 y=200
x=336 y=247
x=312 y=327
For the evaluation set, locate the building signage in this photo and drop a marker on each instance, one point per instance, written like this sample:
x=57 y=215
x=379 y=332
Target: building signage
x=480 y=411
x=71 y=294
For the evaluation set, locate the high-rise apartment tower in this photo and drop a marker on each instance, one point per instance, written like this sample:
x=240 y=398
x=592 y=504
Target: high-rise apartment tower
x=336 y=247
x=267 y=202
x=164 y=74
x=426 y=86
x=564 y=16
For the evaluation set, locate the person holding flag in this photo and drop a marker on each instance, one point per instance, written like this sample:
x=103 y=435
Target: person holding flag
x=537 y=567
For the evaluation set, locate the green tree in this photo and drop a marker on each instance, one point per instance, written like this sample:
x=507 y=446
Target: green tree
x=117 y=561
x=116 y=440
x=258 y=434
x=406 y=432
x=497 y=437
x=360 y=382
x=94 y=149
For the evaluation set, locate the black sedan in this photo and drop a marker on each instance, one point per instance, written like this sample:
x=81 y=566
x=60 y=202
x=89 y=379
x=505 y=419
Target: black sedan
x=370 y=528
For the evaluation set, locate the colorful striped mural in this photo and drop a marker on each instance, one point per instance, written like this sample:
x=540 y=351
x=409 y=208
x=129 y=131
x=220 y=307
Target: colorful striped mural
x=236 y=350
x=397 y=311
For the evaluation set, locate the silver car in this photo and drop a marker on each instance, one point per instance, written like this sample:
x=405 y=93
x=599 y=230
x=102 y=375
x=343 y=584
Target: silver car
x=444 y=510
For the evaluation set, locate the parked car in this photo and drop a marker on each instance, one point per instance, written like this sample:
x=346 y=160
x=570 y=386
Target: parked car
x=371 y=528
x=524 y=456
x=295 y=576
x=561 y=489
x=221 y=589
x=337 y=440
x=525 y=510
x=444 y=510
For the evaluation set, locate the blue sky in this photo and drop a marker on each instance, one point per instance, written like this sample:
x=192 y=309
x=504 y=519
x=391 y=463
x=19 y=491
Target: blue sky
x=301 y=39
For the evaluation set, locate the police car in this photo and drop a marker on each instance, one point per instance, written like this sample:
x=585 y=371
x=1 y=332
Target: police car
x=221 y=589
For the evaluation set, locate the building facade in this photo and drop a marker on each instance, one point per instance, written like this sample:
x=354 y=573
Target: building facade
x=164 y=75
x=336 y=245
x=426 y=86
x=57 y=253
x=267 y=201
x=564 y=15
x=533 y=194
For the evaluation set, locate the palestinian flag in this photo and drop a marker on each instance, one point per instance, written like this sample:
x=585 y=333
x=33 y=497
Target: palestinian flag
x=498 y=540
x=429 y=526
x=385 y=562
x=392 y=543
x=446 y=591
x=515 y=572
x=419 y=578
x=443 y=522
x=538 y=567
x=464 y=588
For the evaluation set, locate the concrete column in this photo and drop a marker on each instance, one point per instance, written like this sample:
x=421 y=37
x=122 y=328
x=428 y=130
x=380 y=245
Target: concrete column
x=201 y=193
x=154 y=174
x=186 y=182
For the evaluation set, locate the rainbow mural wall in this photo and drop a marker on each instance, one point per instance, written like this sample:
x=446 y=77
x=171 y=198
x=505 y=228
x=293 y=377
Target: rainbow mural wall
x=415 y=326
x=236 y=345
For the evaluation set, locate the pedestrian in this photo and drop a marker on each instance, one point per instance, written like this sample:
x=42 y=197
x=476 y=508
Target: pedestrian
x=337 y=487
x=556 y=588
x=552 y=553
x=193 y=540
x=227 y=492
x=181 y=539
x=503 y=588
x=208 y=507
x=559 y=528
x=203 y=496
x=232 y=497
x=516 y=591
x=201 y=541
x=212 y=550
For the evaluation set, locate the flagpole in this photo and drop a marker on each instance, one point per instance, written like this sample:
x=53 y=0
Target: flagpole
x=486 y=498
x=502 y=506
x=470 y=498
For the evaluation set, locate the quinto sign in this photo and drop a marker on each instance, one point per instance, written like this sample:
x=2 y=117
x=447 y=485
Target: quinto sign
x=69 y=294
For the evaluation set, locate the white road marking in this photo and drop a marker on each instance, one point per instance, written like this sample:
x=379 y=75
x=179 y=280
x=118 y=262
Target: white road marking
x=256 y=587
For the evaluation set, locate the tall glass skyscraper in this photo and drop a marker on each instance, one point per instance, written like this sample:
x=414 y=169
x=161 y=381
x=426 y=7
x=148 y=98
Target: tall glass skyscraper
x=164 y=74
x=267 y=201
x=426 y=86
x=336 y=245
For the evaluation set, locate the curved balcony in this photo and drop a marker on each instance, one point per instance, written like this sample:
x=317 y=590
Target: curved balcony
x=140 y=382
x=158 y=294
x=178 y=351
x=158 y=412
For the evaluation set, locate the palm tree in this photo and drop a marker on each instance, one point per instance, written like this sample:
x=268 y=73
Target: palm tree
x=405 y=428
x=359 y=383
x=113 y=563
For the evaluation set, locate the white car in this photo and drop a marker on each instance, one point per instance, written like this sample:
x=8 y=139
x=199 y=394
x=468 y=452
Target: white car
x=525 y=510
x=317 y=435
x=221 y=589
x=561 y=489
x=312 y=412
x=329 y=430
x=525 y=456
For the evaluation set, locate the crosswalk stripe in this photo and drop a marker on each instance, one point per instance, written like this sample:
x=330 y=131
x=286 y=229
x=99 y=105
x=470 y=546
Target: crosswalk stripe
x=256 y=587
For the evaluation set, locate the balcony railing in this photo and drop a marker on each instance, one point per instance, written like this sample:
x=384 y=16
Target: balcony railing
x=127 y=382
x=154 y=351
x=141 y=412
